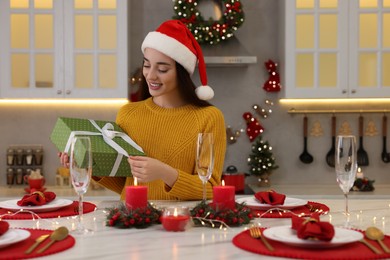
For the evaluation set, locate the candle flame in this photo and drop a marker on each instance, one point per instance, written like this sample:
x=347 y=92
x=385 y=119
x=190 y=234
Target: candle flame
x=359 y=169
x=175 y=212
x=223 y=182
x=135 y=181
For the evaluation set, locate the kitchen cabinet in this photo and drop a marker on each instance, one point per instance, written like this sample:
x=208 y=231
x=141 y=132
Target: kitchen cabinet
x=63 y=49
x=335 y=48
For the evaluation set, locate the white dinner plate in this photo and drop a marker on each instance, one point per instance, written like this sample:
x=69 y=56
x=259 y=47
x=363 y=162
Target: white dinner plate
x=287 y=235
x=51 y=206
x=13 y=236
x=289 y=203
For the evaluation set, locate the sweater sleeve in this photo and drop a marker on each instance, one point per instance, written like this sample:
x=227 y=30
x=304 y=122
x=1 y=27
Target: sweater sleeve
x=188 y=186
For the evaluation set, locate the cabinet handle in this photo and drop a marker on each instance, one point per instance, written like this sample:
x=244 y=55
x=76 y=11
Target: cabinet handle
x=68 y=92
x=344 y=91
x=353 y=91
x=59 y=92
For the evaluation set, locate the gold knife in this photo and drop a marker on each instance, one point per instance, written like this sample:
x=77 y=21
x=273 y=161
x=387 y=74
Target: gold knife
x=39 y=240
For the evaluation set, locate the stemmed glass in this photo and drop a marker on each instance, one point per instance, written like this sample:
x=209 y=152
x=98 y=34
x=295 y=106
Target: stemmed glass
x=80 y=172
x=346 y=165
x=205 y=158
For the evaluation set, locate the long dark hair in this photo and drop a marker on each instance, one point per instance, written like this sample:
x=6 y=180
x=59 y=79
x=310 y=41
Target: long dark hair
x=186 y=88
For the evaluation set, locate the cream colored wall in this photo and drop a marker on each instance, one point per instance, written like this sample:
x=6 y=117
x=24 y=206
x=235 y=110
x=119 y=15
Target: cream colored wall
x=236 y=89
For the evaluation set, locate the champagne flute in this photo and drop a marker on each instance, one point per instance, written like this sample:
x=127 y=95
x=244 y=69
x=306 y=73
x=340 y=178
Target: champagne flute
x=81 y=171
x=346 y=166
x=205 y=158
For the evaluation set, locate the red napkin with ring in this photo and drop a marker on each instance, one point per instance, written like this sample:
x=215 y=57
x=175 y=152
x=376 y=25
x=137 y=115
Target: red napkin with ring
x=312 y=228
x=37 y=198
x=4 y=226
x=270 y=197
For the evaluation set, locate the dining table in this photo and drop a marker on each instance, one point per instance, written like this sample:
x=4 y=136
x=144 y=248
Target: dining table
x=196 y=242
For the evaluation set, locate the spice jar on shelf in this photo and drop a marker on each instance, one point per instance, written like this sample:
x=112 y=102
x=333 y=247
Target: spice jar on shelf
x=10 y=176
x=29 y=157
x=19 y=156
x=10 y=157
x=38 y=155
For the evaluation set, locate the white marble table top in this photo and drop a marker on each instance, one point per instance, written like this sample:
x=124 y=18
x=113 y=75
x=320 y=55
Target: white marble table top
x=196 y=242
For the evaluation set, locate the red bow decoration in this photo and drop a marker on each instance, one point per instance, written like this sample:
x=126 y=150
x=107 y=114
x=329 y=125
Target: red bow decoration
x=4 y=226
x=253 y=126
x=37 y=198
x=273 y=82
x=270 y=197
x=312 y=228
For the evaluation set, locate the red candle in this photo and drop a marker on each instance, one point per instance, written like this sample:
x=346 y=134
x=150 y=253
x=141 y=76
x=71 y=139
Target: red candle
x=224 y=197
x=136 y=196
x=175 y=219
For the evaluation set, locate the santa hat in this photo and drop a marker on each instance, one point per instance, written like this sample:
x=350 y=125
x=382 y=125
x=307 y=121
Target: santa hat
x=175 y=40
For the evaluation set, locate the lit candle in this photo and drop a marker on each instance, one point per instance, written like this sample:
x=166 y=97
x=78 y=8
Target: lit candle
x=175 y=219
x=359 y=173
x=224 y=197
x=136 y=196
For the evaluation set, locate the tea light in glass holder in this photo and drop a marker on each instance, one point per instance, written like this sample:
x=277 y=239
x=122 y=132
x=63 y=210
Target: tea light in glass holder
x=175 y=218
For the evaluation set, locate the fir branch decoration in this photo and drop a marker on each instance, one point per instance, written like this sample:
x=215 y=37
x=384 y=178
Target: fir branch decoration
x=122 y=217
x=203 y=214
x=261 y=161
x=210 y=31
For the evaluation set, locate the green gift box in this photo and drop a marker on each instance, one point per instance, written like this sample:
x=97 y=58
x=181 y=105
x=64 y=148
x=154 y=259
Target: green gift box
x=110 y=145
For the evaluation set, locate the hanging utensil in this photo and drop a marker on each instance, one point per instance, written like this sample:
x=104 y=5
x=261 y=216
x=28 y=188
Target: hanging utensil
x=385 y=155
x=330 y=156
x=362 y=156
x=305 y=157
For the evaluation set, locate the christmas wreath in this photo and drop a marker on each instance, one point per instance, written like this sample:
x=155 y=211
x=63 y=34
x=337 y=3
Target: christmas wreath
x=205 y=214
x=122 y=217
x=210 y=31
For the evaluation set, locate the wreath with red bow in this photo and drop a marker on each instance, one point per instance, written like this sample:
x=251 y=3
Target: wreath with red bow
x=210 y=31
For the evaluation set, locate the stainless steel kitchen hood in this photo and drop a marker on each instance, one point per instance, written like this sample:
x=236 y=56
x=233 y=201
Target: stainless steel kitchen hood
x=229 y=53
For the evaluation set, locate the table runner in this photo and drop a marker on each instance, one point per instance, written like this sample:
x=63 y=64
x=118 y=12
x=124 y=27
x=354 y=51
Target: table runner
x=16 y=251
x=351 y=251
x=303 y=210
x=67 y=211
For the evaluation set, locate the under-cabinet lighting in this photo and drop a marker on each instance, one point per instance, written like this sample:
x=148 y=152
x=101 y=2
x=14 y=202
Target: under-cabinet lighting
x=334 y=100
x=103 y=101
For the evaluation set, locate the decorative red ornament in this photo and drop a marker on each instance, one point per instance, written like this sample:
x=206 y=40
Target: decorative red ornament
x=273 y=82
x=253 y=126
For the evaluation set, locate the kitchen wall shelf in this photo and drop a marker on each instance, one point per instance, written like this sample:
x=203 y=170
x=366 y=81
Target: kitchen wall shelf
x=337 y=111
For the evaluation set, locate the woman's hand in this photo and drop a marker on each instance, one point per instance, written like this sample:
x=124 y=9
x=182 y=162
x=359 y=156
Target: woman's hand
x=147 y=169
x=64 y=159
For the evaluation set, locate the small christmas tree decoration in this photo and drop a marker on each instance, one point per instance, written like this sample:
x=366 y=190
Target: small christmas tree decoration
x=253 y=126
x=261 y=161
x=273 y=82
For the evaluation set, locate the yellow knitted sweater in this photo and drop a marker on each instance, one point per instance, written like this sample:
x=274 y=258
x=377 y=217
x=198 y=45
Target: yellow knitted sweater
x=169 y=135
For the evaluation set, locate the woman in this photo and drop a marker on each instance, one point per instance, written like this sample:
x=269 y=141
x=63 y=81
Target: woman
x=168 y=119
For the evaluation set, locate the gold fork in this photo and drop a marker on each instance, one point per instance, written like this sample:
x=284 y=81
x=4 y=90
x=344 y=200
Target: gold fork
x=255 y=232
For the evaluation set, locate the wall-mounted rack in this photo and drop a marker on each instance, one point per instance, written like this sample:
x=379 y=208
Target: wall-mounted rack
x=336 y=111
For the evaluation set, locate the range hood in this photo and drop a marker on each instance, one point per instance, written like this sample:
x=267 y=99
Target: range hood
x=228 y=53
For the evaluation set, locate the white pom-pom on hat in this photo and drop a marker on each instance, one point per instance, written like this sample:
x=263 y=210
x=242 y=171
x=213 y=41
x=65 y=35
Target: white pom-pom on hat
x=175 y=40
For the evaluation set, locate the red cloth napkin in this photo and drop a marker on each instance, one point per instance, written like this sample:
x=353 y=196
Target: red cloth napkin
x=4 y=226
x=37 y=198
x=270 y=197
x=312 y=228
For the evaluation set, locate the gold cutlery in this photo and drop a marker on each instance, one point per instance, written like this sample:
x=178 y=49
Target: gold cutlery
x=373 y=248
x=255 y=232
x=38 y=241
x=374 y=233
x=57 y=235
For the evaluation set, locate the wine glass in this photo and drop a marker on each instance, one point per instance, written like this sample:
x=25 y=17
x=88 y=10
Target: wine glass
x=80 y=172
x=346 y=165
x=205 y=158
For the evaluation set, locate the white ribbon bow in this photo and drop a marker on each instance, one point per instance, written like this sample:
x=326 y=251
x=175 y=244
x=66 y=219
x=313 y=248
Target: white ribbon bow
x=108 y=134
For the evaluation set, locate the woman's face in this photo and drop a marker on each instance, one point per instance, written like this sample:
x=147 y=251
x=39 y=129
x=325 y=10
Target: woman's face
x=160 y=73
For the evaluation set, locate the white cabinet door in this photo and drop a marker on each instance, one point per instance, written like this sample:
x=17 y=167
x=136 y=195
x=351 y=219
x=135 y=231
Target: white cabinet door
x=57 y=49
x=324 y=56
